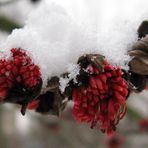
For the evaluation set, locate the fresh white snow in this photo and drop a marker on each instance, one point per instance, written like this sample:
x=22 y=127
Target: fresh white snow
x=57 y=33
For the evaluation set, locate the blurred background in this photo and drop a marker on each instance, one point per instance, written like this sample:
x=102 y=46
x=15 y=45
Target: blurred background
x=37 y=131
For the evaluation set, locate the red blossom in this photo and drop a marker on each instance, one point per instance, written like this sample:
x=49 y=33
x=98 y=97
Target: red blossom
x=33 y=105
x=18 y=69
x=103 y=101
x=143 y=125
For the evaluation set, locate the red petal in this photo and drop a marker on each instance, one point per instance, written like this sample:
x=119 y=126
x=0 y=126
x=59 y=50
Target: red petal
x=120 y=98
x=99 y=84
x=33 y=105
x=3 y=94
x=103 y=78
x=111 y=109
x=117 y=87
x=93 y=82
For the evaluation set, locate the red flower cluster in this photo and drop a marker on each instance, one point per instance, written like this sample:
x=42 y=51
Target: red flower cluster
x=143 y=125
x=18 y=69
x=103 y=101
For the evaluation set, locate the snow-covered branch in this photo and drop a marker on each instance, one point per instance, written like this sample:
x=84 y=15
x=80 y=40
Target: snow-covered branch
x=55 y=58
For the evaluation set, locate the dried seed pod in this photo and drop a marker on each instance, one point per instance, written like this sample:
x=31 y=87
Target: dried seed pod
x=93 y=59
x=141 y=45
x=50 y=101
x=139 y=52
x=139 y=62
x=138 y=81
x=143 y=29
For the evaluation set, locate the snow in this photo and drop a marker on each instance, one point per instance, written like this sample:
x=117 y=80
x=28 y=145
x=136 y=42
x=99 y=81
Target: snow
x=57 y=33
x=63 y=84
x=73 y=70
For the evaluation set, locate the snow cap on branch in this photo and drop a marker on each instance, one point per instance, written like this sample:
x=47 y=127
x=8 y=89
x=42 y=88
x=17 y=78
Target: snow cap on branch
x=55 y=37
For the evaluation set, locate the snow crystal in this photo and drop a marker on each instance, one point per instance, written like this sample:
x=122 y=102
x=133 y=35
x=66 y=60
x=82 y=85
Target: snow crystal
x=63 y=83
x=57 y=33
x=73 y=70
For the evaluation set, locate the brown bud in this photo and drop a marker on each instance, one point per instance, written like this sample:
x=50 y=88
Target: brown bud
x=96 y=60
x=141 y=45
x=52 y=92
x=139 y=65
x=143 y=29
x=139 y=54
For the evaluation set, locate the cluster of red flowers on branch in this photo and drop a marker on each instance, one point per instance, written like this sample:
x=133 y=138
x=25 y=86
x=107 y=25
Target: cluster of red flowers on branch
x=17 y=75
x=26 y=72
x=143 y=125
x=103 y=100
x=100 y=92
